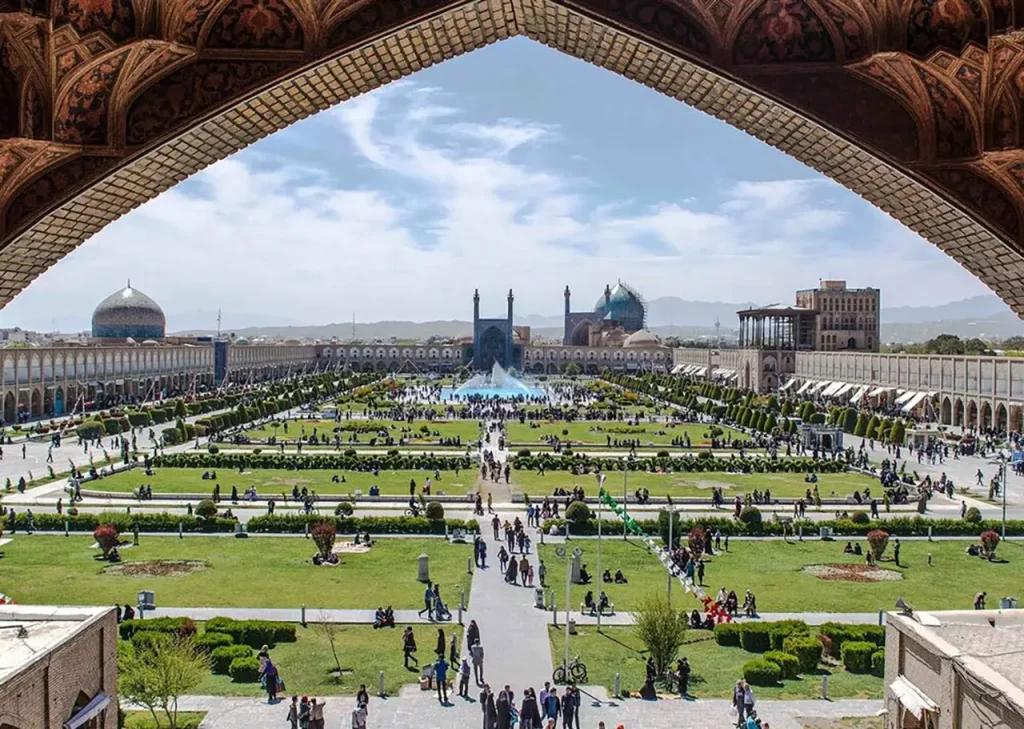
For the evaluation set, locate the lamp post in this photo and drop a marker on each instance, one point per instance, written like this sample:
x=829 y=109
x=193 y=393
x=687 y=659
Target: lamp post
x=563 y=554
x=600 y=488
x=671 y=514
x=625 y=497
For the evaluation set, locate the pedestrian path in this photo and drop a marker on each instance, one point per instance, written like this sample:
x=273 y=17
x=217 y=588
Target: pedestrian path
x=420 y=709
x=296 y=614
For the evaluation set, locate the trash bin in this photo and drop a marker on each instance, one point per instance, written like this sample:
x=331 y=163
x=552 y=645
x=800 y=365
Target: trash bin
x=538 y=597
x=1008 y=603
x=147 y=600
x=572 y=627
x=825 y=532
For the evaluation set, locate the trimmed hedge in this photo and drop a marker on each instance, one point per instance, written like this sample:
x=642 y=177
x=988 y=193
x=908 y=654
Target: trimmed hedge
x=581 y=463
x=878 y=663
x=789 y=666
x=326 y=461
x=841 y=633
x=253 y=633
x=147 y=640
x=128 y=628
x=856 y=655
x=211 y=641
x=221 y=658
x=782 y=629
x=297 y=523
x=807 y=650
x=728 y=634
x=755 y=637
x=761 y=673
x=244 y=670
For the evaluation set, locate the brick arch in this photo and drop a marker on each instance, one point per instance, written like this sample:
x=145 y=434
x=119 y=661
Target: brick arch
x=927 y=131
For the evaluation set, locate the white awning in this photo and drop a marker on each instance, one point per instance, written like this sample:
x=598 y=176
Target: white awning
x=844 y=389
x=87 y=712
x=858 y=395
x=820 y=386
x=678 y=369
x=789 y=384
x=700 y=372
x=804 y=387
x=911 y=698
x=832 y=389
x=914 y=401
x=909 y=394
x=879 y=390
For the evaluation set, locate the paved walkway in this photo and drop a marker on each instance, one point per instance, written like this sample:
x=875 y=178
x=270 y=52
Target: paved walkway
x=627 y=618
x=421 y=710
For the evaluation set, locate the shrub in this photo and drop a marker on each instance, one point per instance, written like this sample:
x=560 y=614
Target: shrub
x=144 y=641
x=789 y=666
x=989 y=542
x=578 y=513
x=973 y=515
x=761 y=673
x=878 y=663
x=751 y=517
x=728 y=634
x=324 y=533
x=434 y=511
x=782 y=629
x=755 y=637
x=856 y=655
x=870 y=633
x=807 y=650
x=106 y=535
x=128 y=628
x=221 y=658
x=244 y=670
x=860 y=517
x=206 y=509
x=211 y=641
x=524 y=453
x=878 y=540
x=344 y=508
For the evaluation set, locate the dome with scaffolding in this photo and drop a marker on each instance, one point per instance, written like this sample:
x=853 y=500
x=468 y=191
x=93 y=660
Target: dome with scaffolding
x=623 y=304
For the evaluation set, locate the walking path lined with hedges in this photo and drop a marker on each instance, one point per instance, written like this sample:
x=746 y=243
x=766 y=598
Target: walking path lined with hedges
x=294 y=615
x=628 y=618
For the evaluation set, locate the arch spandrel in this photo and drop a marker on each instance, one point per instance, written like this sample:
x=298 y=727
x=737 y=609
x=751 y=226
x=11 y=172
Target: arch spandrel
x=914 y=105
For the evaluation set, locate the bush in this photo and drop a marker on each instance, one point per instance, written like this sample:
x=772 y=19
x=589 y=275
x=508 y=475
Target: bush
x=860 y=517
x=973 y=515
x=211 y=641
x=524 y=453
x=253 y=633
x=344 y=508
x=128 y=628
x=782 y=629
x=434 y=511
x=807 y=650
x=856 y=655
x=989 y=542
x=878 y=663
x=144 y=641
x=222 y=658
x=244 y=670
x=324 y=533
x=728 y=634
x=578 y=513
x=106 y=535
x=878 y=540
x=751 y=517
x=761 y=673
x=206 y=509
x=789 y=666
x=755 y=637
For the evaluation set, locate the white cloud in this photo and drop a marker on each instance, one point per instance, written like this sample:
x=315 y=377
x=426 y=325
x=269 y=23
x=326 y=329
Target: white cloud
x=448 y=204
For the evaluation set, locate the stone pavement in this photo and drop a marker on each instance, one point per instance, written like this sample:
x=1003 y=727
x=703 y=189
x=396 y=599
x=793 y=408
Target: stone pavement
x=421 y=710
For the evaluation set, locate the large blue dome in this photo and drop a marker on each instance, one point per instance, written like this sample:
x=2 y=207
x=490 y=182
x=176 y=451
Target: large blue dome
x=128 y=313
x=624 y=305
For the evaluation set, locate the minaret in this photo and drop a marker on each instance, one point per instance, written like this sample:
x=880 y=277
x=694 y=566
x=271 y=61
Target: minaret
x=566 y=334
x=476 y=307
x=567 y=295
x=508 y=334
x=607 y=298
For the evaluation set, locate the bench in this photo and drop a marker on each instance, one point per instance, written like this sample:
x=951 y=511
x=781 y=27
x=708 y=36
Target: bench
x=609 y=610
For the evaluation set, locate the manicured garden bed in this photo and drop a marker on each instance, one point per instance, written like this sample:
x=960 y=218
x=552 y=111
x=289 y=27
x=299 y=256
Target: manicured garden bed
x=595 y=433
x=263 y=572
x=365 y=430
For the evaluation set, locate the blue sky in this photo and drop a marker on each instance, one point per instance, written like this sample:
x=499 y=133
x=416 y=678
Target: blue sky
x=512 y=167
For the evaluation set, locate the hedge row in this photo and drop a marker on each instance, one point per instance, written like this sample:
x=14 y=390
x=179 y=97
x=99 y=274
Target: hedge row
x=125 y=523
x=253 y=633
x=679 y=464
x=298 y=523
x=915 y=526
x=337 y=462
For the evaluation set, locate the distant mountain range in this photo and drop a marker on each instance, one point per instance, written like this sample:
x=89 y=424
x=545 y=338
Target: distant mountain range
x=979 y=316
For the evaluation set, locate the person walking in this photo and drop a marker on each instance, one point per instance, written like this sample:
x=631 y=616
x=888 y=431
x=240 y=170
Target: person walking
x=316 y=714
x=503 y=705
x=409 y=646
x=896 y=552
x=441 y=643
x=477 y=653
x=683 y=676
x=567 y=710
x=441 y=676
x=488 y=708
x=453 y=650
x=270 y=678
x=529 y=712
x=472 y=634
x=464 y=672
x=293 y=713
x=304 y=713
x=748 y=699
x=359 y=717
x=737 y=702
x=428 y=601
x=551 y=706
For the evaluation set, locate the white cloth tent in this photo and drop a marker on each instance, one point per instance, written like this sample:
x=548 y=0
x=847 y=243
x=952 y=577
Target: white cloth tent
x=820 y=386
x=832 y=389
x=844 y=389
x=914 y=401
x=879 y=390
x=788 y=384
x=858 y=395
x=803 y=387
x=906 y=396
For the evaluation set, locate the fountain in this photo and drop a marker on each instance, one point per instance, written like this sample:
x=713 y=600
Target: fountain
x=496 y=383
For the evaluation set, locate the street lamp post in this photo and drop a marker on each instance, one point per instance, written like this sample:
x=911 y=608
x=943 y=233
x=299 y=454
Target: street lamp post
x=671 y=513
x=599 y=555
x=625 y=497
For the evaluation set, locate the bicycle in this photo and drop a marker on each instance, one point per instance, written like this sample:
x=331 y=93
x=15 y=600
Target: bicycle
x=577 y=671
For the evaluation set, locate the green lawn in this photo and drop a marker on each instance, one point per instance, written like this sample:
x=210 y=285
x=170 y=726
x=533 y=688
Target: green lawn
x=783 y=485
x=275 y=481
x=305 y=665
x=144 y=720
x=263 y=572
x=467 y=430
x=597 y=432
x=772 y=569
x=715 y=668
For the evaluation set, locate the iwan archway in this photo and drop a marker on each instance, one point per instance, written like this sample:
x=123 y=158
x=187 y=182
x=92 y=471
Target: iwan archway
x=914 y=105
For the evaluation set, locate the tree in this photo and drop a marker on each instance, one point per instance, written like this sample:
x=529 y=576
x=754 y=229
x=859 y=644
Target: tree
x=324 y=534
x=156 y=676
x=695 y=541
x=329 y=630
x=977 y=346
x=877 y=540
x=989 y=542
x=945 y=344
x=572 y=369
x=179 y=409
x=661 y=628
x=106 y=536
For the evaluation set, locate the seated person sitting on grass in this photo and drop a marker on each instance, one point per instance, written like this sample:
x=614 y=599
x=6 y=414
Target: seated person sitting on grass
x=973 y=550
x=811 y=477
x=584 y=575
x=367 y=540
x=848 y=549
x=335 y=479
x=857 y=549
x=375 y=490
x=607 y=576
x=695 y=621
x=620 y=579
x=588 y=602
